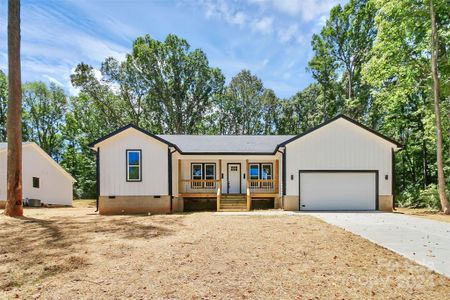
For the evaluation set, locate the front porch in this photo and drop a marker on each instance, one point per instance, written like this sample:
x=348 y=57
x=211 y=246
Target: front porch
x=233 y=184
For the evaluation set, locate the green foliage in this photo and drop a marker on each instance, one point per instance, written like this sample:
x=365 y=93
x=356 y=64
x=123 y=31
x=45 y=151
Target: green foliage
x=44 y=109
x=421 y=198
x=371 y=61
x=341 y=49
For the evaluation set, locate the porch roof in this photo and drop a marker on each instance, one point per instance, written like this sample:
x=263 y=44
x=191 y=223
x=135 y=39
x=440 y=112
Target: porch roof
x=250 y=144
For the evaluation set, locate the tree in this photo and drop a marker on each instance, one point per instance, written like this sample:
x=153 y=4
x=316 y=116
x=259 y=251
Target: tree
x=44 y=109
x=270 y=111
x=400 y=77
x=181 y=83
x=3 y=105
x=437 y=109
x=14 y=205
x=341 y=49
x=161 y=86
x=242 y=108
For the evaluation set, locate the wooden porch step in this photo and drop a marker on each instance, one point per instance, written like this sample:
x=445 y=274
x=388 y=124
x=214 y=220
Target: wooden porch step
x=243 y=205
x=232 y=210
x=233 y=203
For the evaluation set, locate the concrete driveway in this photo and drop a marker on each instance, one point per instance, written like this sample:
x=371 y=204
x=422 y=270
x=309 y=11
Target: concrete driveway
x=425 y=241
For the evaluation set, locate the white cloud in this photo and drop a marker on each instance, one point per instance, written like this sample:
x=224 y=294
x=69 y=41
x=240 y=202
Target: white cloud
x=221 y=10
x=53 y=80
x=263 y=25
x=289 y=33
x=239 y=18
x=308 y=10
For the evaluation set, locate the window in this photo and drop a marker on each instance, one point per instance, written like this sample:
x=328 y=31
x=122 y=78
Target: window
x=196 y=174
x=254 y=175
x=134 y=165
x=36 y=182
x=266 y=171
x=254 y=171
x=210 y=174
x=261 y=171
x=203 y=171
x=266 y=174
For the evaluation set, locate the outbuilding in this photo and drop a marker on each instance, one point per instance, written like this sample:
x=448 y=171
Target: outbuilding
x=42 y=177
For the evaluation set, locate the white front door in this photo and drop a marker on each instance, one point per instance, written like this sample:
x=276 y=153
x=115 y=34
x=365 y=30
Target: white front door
x=234 y=179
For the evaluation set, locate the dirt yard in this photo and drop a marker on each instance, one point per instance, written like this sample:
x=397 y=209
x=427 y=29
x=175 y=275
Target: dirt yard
x=62 y=253
x=424 y=213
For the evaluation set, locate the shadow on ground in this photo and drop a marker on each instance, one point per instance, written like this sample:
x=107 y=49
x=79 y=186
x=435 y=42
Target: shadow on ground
x=32 y=249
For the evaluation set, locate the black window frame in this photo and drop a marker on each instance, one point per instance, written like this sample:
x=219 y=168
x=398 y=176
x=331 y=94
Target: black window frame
x=36 y=182
x=260 y=174
x=260 y=170
x=127 y=165
x=203 y=176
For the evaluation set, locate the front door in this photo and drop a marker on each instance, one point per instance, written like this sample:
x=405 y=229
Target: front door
x=234 y=178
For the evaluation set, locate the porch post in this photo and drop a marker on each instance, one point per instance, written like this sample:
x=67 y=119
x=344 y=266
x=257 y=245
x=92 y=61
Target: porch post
x=219 y=190
x=247 y=180
x=277 y=181
x=179 y=177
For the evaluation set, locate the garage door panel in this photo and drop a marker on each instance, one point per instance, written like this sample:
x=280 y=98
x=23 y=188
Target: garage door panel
x=337 y=190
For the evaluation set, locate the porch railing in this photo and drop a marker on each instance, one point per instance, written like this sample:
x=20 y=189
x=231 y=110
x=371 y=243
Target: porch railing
x=263 y=186
x=199 y=186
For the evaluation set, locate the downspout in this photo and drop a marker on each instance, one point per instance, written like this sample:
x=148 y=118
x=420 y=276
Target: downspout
x=284 y=172
x=97 y=171
x=283 y=176
x=169 y=162
x=393 y=178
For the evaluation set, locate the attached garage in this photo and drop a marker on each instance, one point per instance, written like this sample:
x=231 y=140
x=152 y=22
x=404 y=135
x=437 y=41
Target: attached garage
x=339 y=165
x=338 y=190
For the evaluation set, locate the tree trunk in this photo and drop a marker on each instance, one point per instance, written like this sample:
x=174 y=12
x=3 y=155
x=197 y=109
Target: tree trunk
x=14 y=207
x=350 y=85
x=434 y=70
x=424 y=164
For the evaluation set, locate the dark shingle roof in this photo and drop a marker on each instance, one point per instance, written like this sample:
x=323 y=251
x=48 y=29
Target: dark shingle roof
x=226 y=143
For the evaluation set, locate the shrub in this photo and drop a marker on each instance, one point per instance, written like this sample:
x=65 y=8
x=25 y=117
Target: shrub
x=427 y=198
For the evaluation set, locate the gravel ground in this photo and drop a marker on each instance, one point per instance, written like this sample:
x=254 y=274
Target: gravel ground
x=62 y=253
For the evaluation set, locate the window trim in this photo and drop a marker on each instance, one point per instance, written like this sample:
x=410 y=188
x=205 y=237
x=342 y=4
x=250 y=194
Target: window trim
x=203 y=169
x=271 y=170
x=250 y=170
x=127 y=165
x=260 y=173
x=38 y=182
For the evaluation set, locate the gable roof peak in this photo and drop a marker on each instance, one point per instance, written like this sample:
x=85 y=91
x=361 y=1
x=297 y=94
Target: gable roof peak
x=347 y=118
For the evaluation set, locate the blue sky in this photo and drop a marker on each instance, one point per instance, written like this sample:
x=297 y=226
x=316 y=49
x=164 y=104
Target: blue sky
x=271 y=38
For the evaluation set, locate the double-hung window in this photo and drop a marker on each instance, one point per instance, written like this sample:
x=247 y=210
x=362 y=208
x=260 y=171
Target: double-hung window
x=266 y=174
x=203 y=171
x=254 y=175
x=210 y=174
x=261 y=171
x=134 y=165
x=196 y=174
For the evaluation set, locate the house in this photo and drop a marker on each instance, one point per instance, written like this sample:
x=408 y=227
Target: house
x=42 y=177
x=339 y=165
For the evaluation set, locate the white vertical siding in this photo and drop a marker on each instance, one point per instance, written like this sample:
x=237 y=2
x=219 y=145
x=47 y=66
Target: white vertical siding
x=113 y=165
x=340 y=145
x=54 y=188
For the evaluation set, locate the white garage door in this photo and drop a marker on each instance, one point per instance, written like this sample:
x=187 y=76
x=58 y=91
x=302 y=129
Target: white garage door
x=337 y=190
